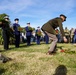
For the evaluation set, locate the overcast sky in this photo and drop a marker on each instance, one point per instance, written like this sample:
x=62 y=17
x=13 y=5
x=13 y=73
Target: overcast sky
x=38 y=12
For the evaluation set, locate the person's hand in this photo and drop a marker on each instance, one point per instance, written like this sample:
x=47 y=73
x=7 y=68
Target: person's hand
x=64 y=38
x=0 y=22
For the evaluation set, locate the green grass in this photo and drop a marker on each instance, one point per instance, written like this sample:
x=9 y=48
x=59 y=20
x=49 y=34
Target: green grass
x=32 y=60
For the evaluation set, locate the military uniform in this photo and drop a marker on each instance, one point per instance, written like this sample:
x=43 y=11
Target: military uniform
x=38 y=35
x=67 y=34
x=46 y=38
x=71 y=35
x=5 y=30
x=17 y=33
x=49 y=29
x=28 y=34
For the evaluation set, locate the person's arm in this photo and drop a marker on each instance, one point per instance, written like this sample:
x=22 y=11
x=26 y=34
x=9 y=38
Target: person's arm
x=62 y=30
x=64 y=38
x=61 y=27
x=0 y=24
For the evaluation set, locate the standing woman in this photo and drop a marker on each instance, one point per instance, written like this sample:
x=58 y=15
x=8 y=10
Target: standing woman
x=16 y=32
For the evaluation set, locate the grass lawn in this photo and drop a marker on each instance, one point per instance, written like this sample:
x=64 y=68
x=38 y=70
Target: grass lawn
x=33 y=60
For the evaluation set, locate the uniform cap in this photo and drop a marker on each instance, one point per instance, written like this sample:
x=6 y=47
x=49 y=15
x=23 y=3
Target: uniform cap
x=28 y=23
x=38 y=27
x=16 y=19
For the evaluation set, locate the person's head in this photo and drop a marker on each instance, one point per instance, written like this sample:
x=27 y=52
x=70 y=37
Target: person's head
x=65 y=27
x=61 y=70
x=38 y=27
x=16 y=20
x=6 y=18
x=28 y=24
x=63 y=17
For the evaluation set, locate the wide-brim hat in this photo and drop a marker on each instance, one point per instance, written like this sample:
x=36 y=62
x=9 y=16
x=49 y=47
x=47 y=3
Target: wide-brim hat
x=63 y=16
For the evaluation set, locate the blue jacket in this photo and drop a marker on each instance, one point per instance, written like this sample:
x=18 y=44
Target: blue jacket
x=28 y=32
x=38 y=32
x=15 y=27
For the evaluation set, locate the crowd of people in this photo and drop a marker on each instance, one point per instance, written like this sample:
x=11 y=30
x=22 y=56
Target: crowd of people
x=20 y=34
x=32 y=35
x=70 y=35
x=47 y=32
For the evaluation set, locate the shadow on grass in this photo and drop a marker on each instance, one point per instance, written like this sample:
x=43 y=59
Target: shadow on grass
x=22 y=46
x=61 y=70
x=2 y=71
x=7 y=50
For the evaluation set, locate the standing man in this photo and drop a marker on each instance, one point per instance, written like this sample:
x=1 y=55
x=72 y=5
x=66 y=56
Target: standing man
x=67 y=34
x=72 y=35
x=49 y=29
x=16 y=32
x=28 y=34
x=4 y=24
x=38 y=35
x=46 y=39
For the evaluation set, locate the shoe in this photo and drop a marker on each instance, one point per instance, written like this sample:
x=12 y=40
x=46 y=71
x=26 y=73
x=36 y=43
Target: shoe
x=54 y=52
x=5 y=49
x=49 y=53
